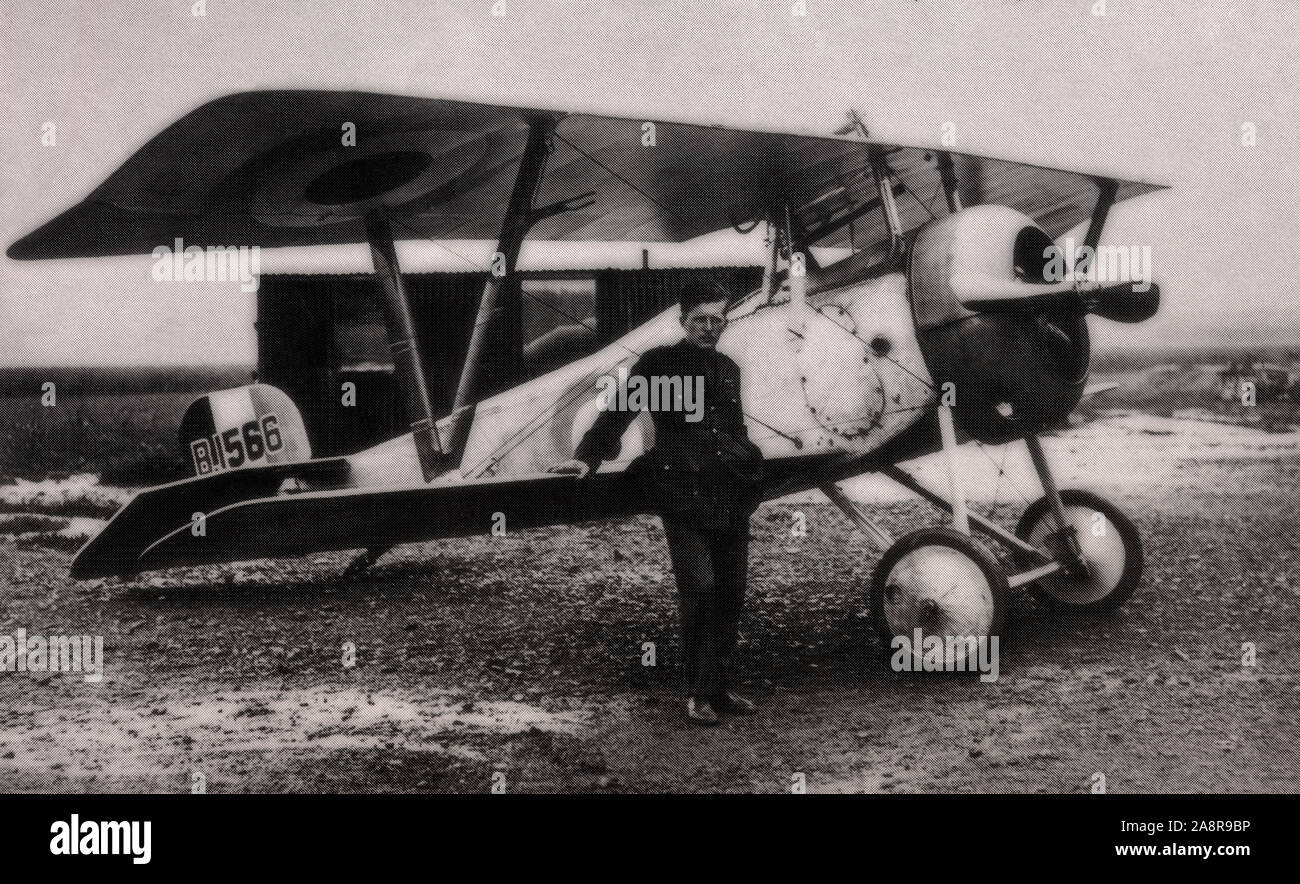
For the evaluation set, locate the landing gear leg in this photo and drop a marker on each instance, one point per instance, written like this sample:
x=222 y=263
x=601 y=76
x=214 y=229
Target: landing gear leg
x=858 y=516
x=1072 y=553
x=956 y=493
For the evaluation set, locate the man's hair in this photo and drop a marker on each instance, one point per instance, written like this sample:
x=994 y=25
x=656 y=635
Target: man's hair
x=698 y=292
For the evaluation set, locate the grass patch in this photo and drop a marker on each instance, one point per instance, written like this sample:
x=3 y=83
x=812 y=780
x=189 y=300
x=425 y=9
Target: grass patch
x=22 y=523
x=66 y=508
x=125 y=437
x=53 y=540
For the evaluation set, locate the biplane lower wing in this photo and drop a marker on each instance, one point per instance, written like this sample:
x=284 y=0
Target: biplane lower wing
x=299 y=524
x=155 y=512
x=288 y=525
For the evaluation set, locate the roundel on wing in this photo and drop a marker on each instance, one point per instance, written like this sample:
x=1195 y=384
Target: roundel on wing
x=843 y=391
x=313 y=186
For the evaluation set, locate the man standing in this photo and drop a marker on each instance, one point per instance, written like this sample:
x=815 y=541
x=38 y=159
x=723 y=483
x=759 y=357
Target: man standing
x=704 y=477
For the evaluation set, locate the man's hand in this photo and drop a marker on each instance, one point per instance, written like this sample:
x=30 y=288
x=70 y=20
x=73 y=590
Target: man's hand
x=571 y=468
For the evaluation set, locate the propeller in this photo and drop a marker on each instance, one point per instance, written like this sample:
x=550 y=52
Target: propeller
x=1121 y=302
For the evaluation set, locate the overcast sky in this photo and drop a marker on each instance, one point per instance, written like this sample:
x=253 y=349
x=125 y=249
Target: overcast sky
x=1152 y=91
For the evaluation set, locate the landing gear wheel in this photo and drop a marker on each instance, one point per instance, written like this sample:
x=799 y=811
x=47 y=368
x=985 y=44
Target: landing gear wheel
x=945 y=584
x=1110 y=544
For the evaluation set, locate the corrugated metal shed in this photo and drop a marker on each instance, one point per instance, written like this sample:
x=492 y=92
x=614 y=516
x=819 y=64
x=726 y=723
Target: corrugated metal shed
x=317 y=332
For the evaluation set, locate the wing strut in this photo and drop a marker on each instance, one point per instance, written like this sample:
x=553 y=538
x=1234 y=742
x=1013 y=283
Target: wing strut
x=403 y=344
x=1108 y=188
x=519 y=219
x=880 y=171
x=948 y=176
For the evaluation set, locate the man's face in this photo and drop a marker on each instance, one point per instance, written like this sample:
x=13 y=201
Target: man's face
x=704 y=324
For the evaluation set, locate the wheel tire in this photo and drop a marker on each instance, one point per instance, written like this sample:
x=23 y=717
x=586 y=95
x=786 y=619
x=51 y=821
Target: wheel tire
x=1111 y=585
x=952 y=552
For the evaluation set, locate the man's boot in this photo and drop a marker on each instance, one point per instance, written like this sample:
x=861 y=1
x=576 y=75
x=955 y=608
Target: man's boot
x=734 y=704
x=700 y=711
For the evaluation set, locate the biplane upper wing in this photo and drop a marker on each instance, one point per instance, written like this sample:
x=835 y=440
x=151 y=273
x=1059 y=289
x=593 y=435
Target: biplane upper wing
x=276 y=168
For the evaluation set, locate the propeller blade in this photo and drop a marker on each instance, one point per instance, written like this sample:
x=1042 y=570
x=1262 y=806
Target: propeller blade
x=1121 y=302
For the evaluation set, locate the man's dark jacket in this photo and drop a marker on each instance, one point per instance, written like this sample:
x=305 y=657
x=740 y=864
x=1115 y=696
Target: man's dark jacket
x=704 y=473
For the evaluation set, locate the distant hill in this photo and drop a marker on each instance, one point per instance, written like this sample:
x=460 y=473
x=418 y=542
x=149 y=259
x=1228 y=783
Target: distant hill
x=1118 y=359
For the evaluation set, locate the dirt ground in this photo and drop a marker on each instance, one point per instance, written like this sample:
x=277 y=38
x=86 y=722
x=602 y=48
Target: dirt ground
x=517 y=661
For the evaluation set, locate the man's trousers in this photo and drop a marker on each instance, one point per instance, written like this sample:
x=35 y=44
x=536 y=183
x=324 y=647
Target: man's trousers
x=710 y=567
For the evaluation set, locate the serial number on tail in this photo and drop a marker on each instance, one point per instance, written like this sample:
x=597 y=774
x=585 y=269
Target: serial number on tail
x=237 y=446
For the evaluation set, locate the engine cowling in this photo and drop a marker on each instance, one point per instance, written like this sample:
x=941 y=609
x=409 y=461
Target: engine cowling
x=1013 y=370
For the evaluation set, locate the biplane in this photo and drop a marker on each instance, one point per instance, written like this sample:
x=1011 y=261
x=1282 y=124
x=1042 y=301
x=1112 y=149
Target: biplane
x=936 y=323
